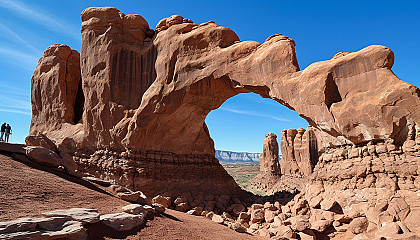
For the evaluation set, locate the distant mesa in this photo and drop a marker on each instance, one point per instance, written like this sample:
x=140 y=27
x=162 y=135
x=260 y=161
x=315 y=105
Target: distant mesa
x=236 y=157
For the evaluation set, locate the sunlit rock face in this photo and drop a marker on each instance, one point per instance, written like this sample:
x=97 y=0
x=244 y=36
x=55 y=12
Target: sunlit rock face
x=137 y=102
x=269 y=158
x=300 y=151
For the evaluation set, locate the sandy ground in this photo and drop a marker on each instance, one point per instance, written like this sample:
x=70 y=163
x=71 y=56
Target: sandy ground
x=27 y=190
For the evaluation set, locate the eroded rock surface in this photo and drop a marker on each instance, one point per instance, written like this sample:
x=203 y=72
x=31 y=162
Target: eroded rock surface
x=269 y=159
x=299 y=151
x=134 y=109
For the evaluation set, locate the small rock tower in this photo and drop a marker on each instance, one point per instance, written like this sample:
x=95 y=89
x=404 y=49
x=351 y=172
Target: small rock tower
x=269 y=159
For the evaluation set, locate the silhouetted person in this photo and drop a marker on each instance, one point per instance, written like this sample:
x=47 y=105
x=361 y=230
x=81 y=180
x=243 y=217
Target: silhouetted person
x=7 y=132
x=3 y=128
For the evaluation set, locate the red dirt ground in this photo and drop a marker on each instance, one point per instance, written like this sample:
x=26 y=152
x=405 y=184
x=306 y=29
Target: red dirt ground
x=27 y=190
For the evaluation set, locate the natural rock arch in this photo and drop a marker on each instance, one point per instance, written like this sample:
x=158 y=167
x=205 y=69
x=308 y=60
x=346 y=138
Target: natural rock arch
x=146 y=93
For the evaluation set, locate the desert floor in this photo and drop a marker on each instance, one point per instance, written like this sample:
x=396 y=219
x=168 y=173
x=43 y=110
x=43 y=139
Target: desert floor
x=27 y=190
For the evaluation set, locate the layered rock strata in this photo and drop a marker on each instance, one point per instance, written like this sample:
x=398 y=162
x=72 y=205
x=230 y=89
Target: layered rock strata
x=155 y=172
x=149 y=92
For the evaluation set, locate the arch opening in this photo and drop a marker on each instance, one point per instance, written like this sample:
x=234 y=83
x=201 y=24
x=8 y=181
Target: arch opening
x=238 y=128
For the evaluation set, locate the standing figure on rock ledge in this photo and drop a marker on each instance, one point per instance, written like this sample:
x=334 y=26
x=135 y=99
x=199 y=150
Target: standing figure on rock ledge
x=8 y=131
x=3 y=128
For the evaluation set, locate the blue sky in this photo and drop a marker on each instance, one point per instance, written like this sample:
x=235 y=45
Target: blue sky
x=320 y=29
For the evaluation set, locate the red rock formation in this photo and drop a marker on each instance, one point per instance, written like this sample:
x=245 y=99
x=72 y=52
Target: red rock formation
x=299 y=151
x=269 y=164
x=288 y=163
x=306 y=150
x=129 y=77
x=149 y=92
x=269 y=158
x=55 y=84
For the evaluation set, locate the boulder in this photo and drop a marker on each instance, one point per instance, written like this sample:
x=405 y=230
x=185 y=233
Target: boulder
x=43 y=156
x=237 y=209
x=321 y=225
x=70 y=165
x=40 y=140
x=269 y=215
x=133 y=209
x=83 y=215
x=43 y=228
x=137 y=196
x=257 y=206
x=307 y=235
x=217 y=218
x=182 y=207
x=285 y=232
x=165 y=201
x=257 y=215
x=159 y=207
x=243 y=217
x=388 y=230
x=358 y=225
x=210 y=215
x=237 y=227
x=299 y=223
x=269 y=206
x=122 y=221
x=196 y=211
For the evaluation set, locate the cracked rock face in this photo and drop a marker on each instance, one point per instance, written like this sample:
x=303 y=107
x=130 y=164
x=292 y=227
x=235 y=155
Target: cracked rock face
x=149 y=92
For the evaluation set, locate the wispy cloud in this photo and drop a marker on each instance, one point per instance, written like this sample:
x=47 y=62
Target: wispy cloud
x=10 y=34
x=11 y=110
x=6 y=89
x=21 y=59
x=15 y=103
x=257 y=114
x=41 y=17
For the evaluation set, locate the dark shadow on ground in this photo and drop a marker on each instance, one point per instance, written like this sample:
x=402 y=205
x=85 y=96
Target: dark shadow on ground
x=98 y=231
x=170 y=217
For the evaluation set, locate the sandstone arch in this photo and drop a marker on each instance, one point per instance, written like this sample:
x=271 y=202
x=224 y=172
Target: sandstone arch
x=147 y=93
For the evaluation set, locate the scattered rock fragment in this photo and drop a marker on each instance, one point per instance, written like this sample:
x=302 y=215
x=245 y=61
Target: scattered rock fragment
x=122 y=221
x=83 y=215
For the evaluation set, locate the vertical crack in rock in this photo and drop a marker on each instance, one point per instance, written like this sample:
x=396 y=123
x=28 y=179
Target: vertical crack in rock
x=332 y=95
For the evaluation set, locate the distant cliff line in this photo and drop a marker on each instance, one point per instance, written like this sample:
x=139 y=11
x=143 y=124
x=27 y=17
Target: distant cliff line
x=237 y=157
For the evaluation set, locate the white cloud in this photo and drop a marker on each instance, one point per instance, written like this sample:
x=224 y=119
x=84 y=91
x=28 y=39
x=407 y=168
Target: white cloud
x=257 y=114
x=15 y=111
x=41 y=17
x=18 y=58
x=15 y=103
x=9 y=33
x=6 y=89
